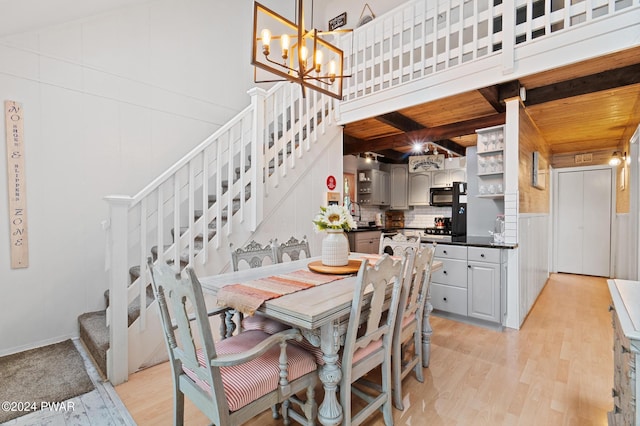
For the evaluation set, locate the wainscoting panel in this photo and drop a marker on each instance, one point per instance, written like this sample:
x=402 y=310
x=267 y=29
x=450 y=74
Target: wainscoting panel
x=533 y=243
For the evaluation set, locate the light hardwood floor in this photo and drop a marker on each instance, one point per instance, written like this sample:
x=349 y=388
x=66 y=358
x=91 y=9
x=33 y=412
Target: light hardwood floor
x=556 y=370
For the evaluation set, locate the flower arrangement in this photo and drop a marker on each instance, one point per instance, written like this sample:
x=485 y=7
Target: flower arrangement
x=334 y=217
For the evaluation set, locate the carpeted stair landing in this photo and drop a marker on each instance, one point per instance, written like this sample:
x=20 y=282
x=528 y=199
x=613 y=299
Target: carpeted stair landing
x=94 y=332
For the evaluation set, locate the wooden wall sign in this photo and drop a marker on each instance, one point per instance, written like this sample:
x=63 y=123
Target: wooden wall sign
x=338 y=21
x=13 y=115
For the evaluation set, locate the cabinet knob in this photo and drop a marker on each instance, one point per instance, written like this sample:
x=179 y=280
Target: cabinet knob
x=481 y=254
x=469 y=266
x=444 y=251
x=444 y=298
x=444 y=272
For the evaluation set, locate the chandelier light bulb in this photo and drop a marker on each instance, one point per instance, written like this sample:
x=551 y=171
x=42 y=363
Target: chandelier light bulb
x=318 y=61
x=266 y=41
x=284 y=42
x=332 y=71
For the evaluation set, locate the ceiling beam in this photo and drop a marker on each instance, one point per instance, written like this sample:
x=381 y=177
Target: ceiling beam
x=433 y=134
x=492 y=95
x=406 y=124
x=399 y=121
x=583 y=85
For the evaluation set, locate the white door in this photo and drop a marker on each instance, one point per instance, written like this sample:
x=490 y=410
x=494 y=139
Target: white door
x=584 y=222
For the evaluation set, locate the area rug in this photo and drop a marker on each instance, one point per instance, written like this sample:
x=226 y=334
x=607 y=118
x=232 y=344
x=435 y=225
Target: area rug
x=32 y=379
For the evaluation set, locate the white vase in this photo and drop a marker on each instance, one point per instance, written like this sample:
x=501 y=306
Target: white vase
x=335 y=248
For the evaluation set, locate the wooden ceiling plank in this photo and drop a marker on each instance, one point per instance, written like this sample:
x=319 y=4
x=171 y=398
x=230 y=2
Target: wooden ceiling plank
x=432 y=134
x=583 y=85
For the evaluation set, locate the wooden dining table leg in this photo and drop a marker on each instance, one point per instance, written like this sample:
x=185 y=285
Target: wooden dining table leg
x=330 y=411
x=427 y=331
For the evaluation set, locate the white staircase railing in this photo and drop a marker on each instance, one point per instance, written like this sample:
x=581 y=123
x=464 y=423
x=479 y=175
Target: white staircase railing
x=211 y=197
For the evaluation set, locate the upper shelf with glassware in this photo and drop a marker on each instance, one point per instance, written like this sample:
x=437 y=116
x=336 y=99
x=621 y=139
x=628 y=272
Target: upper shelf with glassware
x=490 y=156
x=491 y=151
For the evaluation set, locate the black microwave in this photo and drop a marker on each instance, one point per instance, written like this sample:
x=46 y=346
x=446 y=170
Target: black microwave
x=441 y=197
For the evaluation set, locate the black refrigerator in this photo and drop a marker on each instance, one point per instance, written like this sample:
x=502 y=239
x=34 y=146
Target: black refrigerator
x=459 y=212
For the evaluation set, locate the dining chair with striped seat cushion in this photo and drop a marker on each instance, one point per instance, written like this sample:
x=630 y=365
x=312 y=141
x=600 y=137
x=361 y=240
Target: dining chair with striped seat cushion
x=409 y=321
x=237 y=378
x=368 y=341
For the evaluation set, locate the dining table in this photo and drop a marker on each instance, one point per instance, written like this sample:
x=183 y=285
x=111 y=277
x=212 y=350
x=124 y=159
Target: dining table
x=321 y=313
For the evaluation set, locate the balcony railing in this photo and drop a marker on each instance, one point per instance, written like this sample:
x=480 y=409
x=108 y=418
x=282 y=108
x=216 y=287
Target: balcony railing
x=422 y=38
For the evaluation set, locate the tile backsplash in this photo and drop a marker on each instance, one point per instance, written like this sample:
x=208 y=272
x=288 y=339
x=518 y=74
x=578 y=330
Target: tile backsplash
x=417 y=217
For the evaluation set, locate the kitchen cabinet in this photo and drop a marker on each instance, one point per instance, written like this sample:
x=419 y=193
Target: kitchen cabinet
x=626 y=352
x=444 y=178
x=399 y=179
x=470 y=282
x=490 y=153
x=484 y=283
x=419 y=185
x=449 y=283
x=373 y=187
x=364 y=241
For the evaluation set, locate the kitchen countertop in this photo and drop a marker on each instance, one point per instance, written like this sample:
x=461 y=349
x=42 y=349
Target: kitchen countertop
x=471 y=241
x=366 y=229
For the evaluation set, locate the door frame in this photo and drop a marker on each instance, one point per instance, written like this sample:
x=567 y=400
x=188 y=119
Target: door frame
x=554 y=212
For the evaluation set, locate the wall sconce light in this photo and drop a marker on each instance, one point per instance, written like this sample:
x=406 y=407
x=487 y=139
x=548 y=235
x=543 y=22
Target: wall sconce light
x=617 y=158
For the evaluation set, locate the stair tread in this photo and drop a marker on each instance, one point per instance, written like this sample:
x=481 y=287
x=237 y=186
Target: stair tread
x=94 y=334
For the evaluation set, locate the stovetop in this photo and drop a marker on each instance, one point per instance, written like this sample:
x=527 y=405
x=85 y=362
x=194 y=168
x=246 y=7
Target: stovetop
x=437 y=231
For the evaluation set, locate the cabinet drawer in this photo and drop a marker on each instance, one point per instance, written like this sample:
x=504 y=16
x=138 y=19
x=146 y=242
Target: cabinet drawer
x=449 y=299
x=483 y=254
x=451 y=252
x=453 y=272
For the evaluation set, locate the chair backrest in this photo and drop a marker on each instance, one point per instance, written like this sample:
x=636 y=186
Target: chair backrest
x=373 y=286
x=397 y=244
x=178 y=298
x=416 y=284
x=254 y=254
x=292 y=249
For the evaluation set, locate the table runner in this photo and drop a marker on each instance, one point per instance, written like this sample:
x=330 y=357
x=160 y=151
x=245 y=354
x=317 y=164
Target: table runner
x=248 y=296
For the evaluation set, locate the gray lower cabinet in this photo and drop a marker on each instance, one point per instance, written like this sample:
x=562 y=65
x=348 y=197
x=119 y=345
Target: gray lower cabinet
x=449 y=283
x=364 y=241
x=470 y=282
x=484 y=283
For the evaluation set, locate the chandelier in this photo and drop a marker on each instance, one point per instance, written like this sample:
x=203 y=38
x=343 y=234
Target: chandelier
x=302 y=56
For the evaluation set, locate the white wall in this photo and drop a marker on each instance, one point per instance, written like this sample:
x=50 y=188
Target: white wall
x=109 y=102
x=333 y=8
x=294 y=214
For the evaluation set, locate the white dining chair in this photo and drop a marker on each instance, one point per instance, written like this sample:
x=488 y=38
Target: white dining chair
x=396 y=244
x=368 y=340
x=238 y=378
x=409 y=321
x=292 y=249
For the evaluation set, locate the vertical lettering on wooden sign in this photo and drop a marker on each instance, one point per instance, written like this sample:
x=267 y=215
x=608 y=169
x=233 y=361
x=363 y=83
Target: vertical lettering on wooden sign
x=14 y=117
